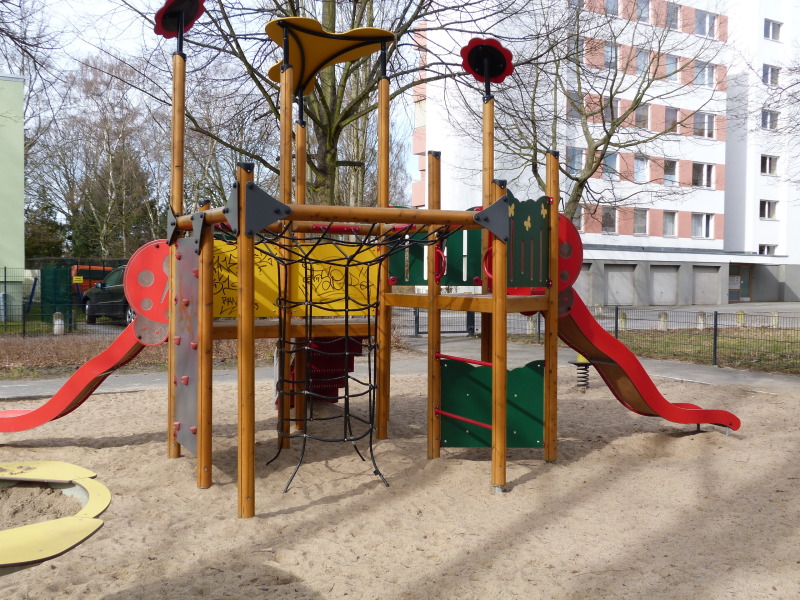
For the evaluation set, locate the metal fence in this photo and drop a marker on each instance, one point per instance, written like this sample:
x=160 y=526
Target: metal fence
x=763 y=341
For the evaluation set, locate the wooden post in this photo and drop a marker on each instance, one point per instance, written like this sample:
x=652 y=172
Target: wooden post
x=285 y=181
x=551 y=317
x=499 y=358
x=301 y=357
x=434 y=318
x=176 y=205
x=385 y=311
x=205 y=355
x=487 y=189
x=246 y=349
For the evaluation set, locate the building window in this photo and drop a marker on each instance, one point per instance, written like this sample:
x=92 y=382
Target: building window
x=610 y=109
x=772 y=30
x=575 y=3
x=767 y=209
x=640 y=169
x=704 y=74
x=609 y=219
x=574 y=106
x=576 y=45
x=701 y=225
x=704 y=124
x=672 y=15
x=609 y=166
x=642 y=61
x=671 y=120
x=670 y=218
x=643 y=10
x=704 y=23
x=577 y=217
x=767 y=249
x=769 y=119
x=639 y=221
x=612 y=7
x=702 y=175
x=610 y=56
x=670 y=172
x=769 y=165
x=671 y=67
x=642 y=116
x=769 y=74
x=574 y=160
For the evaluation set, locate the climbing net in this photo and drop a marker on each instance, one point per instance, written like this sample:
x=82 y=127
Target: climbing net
x=329 y=280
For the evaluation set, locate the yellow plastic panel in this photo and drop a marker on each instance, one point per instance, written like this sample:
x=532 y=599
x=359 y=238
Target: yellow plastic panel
x=43 y=470
x=321 y=275
x=42 y=541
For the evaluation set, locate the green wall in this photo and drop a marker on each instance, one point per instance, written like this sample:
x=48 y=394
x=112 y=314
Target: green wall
x=12 y=173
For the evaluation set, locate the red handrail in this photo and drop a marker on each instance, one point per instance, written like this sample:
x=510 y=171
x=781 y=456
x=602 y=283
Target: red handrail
x=460 y=418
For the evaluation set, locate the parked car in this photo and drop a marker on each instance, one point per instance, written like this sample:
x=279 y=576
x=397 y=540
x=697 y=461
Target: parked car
x=107 y=299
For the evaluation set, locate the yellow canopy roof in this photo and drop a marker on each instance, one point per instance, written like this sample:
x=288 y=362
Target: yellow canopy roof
x=311 y=48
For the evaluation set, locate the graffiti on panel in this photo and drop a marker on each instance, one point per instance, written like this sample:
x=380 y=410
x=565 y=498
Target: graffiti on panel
x=332 y=278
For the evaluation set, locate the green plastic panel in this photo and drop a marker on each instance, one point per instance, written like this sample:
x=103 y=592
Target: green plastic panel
x=408 y=265
x=528 y=248
x=467 y=392
x=461 y=271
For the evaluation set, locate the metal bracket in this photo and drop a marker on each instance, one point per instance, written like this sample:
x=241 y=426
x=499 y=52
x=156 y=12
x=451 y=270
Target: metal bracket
x=262 y=209
x=172 y=228
x=198 y=219
x=231 y=209
x=495 y=219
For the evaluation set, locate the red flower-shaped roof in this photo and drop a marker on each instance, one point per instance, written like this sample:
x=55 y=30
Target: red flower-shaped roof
x=482 y=52
x=168 y=16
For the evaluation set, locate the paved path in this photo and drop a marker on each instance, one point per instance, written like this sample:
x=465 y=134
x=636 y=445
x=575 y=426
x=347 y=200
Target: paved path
x=413 y=362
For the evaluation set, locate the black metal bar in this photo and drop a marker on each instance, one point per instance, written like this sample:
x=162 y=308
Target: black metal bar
x=471 y=324
x=416 y=322
x=714 y=345
x=616 y=322
x=181 y=24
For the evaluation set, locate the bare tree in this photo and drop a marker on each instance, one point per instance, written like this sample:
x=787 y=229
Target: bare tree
x=229 y=56
x=586 y=79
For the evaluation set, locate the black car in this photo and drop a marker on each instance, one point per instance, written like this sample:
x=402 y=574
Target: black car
x=107 y=299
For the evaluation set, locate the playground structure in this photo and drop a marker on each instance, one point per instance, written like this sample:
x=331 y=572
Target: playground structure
x=319 y=280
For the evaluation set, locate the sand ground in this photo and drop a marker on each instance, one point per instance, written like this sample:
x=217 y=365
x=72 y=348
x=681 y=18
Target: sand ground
x=635 y=507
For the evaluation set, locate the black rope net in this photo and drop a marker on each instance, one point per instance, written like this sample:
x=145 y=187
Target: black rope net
x=331 y=276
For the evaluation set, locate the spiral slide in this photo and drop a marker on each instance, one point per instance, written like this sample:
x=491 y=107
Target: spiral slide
x=78 y=387
x=624 y=374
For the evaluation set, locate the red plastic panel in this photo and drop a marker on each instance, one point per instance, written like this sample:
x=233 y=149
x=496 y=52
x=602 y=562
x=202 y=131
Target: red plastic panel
x=147 y=281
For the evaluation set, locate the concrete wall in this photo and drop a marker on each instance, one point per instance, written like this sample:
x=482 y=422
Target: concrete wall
x=12 y=173
x=647 y=283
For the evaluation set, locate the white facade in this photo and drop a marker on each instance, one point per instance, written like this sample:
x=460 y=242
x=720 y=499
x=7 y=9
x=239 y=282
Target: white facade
x=695 y=229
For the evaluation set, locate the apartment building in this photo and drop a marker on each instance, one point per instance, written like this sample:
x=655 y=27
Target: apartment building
x=659 y=222
x=762 y=201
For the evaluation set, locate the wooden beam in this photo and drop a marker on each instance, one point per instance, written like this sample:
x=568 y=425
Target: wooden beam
x=434 y=319
x=551 y=318
x=176 y=205
x=205 y=356
x=384 y=356
x=499 y=359
x=246 y=352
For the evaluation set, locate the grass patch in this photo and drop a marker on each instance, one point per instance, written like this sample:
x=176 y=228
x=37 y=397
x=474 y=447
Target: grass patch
x=771 y=349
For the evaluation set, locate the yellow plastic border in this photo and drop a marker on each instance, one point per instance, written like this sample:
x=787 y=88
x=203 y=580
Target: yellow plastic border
x=31 y=544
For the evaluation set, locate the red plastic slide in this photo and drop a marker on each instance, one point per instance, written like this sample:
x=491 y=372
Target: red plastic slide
x=78 y=387
x=624 y=374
